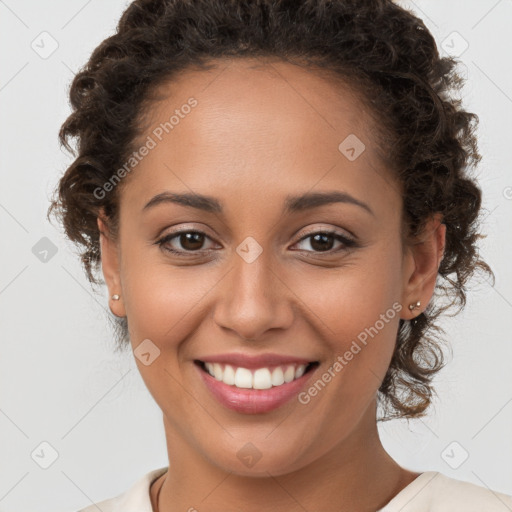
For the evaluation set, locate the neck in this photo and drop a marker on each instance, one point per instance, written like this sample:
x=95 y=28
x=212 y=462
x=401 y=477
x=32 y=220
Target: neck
x=357 y=473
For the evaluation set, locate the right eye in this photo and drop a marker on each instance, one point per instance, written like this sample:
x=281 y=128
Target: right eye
x=191 y=241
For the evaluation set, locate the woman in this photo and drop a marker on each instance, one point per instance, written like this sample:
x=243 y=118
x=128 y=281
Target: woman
x=278 y=194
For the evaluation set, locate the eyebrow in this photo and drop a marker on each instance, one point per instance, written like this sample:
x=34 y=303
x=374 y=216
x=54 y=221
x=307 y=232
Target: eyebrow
x=292 y=204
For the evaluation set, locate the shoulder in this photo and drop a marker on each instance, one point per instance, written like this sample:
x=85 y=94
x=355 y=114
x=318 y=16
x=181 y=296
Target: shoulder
x=134 y=499
x=433 y=491
x=108 y=505
x=452 y=495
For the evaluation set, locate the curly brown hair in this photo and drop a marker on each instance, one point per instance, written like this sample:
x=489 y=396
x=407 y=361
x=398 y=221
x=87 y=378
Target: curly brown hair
x=378 y=47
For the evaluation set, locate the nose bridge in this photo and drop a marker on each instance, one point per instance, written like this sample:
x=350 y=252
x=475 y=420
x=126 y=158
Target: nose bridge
x=253 y=299
x=251 y=273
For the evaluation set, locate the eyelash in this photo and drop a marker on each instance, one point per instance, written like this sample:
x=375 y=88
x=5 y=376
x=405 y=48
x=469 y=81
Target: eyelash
x=347 y=242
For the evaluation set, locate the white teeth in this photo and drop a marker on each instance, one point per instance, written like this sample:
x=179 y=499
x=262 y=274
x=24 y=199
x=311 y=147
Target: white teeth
x=229 y=375
x=277 y=377
x=243 y=378
x=299 y=372
x=209 y=367
x=262 y=378
x=289 y=374
x=217 y=371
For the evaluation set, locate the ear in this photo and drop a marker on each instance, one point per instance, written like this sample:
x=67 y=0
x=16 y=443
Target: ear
x=110 y=267
x=421 y=263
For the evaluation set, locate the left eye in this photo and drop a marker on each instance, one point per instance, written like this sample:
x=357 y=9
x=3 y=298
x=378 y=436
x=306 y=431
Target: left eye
x=322 y=241
x=192 y=241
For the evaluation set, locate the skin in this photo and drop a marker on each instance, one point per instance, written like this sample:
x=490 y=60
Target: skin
x=263 y=130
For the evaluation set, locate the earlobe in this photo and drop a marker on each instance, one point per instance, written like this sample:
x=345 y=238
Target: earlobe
x=425 y=256
x=110 y=269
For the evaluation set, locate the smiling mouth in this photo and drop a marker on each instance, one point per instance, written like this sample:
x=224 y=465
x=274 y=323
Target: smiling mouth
x=266 y=377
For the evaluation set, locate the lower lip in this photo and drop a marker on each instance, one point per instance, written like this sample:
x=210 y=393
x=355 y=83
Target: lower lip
x=254 y=401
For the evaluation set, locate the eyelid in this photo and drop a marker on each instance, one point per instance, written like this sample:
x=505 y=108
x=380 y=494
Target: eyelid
x=167 y=237
x=347 y=241
x=329 y=230
x=181 y=229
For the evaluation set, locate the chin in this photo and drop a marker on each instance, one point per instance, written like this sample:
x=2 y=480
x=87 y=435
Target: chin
x=246 y=459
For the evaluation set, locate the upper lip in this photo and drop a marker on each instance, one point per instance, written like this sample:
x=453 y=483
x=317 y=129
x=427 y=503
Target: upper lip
x=254 y=361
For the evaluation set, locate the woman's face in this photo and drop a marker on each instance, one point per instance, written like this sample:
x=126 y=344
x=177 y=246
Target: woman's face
x=262 y=278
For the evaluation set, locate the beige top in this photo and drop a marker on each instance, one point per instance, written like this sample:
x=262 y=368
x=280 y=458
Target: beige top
x=430 y=492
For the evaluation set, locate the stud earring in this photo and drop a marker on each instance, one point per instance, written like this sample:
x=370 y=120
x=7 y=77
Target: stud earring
x=116 y=297
x=414 y=306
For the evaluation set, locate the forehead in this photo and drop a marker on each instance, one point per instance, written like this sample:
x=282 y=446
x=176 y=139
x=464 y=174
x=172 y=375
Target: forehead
x=256 y=123
x=238 y=86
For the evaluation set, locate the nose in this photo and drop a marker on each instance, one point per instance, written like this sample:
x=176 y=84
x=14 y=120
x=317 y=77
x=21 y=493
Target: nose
x=253 y=299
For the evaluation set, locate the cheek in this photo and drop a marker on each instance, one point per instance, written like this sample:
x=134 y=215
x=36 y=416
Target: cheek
x=359 y=308
x=157 y=304
x=163 y=304
x=356 y=296
x=161 y=298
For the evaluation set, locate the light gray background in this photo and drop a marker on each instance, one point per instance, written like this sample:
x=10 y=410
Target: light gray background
x=61 y=382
